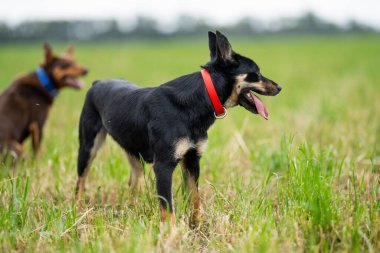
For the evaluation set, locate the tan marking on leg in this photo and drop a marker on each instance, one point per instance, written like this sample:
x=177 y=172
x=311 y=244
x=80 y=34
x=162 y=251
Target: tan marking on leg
x=79 y=191
x=193 y=194
x=36 y=137
x=136 y=171
x=194 y=197
x=201 y=146
x=16 y=149
x=259 y=86
x=98 y=141
x=172 y=219
x=163 y=213
x=182 y=146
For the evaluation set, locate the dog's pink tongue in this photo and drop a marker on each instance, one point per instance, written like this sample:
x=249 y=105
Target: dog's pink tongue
x=75 y=83
x=261 y=109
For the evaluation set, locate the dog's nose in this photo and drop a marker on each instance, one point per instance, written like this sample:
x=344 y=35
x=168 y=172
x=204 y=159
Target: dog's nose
x=85 y=71
x=279 y=88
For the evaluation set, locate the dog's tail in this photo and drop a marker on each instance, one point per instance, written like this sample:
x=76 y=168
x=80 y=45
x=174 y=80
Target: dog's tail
x=95 y=82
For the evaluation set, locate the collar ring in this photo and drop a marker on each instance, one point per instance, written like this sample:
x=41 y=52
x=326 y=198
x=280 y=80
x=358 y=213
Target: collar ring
x=222 y=115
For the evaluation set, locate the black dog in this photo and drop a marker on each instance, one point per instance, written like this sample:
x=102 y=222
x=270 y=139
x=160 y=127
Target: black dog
x=167 y=125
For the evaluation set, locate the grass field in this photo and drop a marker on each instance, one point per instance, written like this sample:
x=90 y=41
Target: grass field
x=306 y=180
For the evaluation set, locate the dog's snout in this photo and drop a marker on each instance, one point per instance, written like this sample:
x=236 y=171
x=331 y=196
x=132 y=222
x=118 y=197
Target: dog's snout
x=279 y=88
x=85 y=71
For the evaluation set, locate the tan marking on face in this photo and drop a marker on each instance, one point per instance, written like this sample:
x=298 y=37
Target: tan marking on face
x=240 y=79
x=264 y=87
x=74 y=70
x=182 y=146
x=239 y=85
x=201 y=146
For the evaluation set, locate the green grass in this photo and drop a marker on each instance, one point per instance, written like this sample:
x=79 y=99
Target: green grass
x=306 y=180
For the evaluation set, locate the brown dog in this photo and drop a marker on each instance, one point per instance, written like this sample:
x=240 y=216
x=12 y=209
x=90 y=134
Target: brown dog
x=25 y=104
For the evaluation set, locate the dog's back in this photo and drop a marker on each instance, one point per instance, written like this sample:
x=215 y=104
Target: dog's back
x=101 y=116
x=103 y=89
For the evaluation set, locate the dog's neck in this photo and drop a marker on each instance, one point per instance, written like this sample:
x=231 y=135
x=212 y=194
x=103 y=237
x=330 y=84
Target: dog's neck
x=46 y=82
x=222 y=85
x=220 y=110
x=190 y=92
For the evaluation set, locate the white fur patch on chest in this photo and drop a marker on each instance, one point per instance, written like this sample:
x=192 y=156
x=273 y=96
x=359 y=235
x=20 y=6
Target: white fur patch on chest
x=201 y=146
x=183 y=145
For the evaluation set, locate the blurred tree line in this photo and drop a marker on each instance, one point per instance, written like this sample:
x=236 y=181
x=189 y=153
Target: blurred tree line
x=185 y=26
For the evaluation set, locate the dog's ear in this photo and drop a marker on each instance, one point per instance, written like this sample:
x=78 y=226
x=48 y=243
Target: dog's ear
x=69 y=51
x=48 y=52
x=212 y=45
x=224 y=47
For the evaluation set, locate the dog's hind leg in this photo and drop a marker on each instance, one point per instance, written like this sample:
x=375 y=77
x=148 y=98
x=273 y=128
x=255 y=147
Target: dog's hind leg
x=87 y=154
x=91 y=137
x=136 y=171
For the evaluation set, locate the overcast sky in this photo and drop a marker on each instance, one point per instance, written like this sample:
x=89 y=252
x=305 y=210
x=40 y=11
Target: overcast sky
x=220 y=12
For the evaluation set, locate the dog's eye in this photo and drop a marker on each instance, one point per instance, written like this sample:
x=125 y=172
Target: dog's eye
x=64 y=65
x=252 y=77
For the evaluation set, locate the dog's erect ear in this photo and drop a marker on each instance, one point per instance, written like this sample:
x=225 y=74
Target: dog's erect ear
x=224 y=47
x=48 y=52
x=69 y=51
x=212 y=45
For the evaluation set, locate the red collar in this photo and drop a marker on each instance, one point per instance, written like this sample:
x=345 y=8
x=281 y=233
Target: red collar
x=220 y=111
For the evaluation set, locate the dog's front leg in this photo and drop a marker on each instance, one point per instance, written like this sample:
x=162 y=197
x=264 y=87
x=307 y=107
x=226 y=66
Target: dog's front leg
x=36 y=134
x=190 y=167
x=16 y=152
x=164 y=171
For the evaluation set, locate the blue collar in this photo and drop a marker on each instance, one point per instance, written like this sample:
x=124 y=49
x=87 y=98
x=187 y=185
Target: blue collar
x=46 y=82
